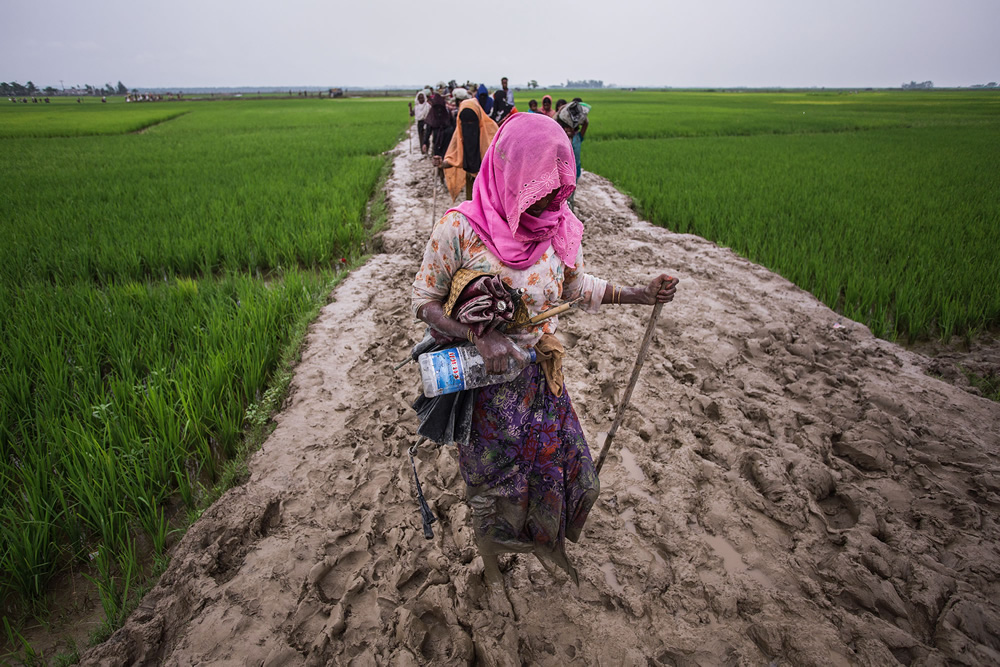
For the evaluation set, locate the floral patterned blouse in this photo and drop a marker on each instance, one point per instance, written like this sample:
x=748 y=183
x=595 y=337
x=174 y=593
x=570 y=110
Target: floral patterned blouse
x=454 y=245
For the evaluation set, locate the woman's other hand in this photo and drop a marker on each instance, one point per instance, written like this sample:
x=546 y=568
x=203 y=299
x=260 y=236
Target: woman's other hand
x=660 y=289
x=497 y=350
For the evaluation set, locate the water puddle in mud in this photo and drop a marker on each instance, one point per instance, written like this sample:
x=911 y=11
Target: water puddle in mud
x=627 y=517
x=634 y=473
x=612 y=578
x=652 y=557
x=634 y=490
x=631 y=466
x=733 y=562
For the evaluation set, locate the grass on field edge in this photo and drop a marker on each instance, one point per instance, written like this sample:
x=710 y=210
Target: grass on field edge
x=234 y=472
x=988 y=385
x=260 y=425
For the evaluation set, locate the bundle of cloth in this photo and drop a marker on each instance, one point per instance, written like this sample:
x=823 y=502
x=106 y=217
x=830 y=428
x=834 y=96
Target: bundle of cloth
x=573 y=115
x=484 y=302
x=501 y=109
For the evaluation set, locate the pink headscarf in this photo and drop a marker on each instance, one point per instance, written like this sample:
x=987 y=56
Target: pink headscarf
x=529 y=158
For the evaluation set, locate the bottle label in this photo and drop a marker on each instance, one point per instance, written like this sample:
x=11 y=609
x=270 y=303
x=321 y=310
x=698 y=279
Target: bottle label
x=449 y=372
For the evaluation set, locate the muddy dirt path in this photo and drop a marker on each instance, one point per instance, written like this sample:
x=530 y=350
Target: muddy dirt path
x=785 y=489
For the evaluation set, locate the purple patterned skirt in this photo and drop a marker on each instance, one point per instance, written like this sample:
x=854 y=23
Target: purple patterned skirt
x=530 y=476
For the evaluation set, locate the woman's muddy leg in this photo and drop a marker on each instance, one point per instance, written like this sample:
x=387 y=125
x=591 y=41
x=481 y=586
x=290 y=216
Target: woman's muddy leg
x=496 y=589
x=491 y=569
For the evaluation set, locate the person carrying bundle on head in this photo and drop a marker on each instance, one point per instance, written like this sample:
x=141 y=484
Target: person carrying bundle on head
x=572 y=118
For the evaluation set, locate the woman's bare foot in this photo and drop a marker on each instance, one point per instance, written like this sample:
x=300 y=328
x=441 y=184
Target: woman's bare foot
x=496 y=590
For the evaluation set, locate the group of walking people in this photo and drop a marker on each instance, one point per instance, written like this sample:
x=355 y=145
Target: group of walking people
x=513 y=245
x=455 y=126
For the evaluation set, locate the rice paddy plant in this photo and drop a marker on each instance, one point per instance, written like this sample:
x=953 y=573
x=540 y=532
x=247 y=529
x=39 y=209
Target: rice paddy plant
x=26 y=654
x=149 y=284
x=64 y=117
x=117 y=572
x=669 y=114
x=29 y=527
x=988 y=385
x=896 y=228
x=230 y=186
x=169 y=375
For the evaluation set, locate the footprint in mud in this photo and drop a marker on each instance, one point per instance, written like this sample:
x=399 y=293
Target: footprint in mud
x=430 y=629
x=411 y=578
x=732 y=561
x=769 y=478
x=568 y=338
x=230 y=546
x=840 y=511
x=462 y=537
x=373 y=489
x=314 y=624
x=330 y=589
x=333 y=578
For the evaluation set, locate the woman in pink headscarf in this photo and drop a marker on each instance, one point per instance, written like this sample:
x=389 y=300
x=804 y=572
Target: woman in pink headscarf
x=547 y=106
x=530 y=476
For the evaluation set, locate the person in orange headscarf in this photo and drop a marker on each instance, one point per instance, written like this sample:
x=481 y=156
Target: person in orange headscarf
x=473 y=134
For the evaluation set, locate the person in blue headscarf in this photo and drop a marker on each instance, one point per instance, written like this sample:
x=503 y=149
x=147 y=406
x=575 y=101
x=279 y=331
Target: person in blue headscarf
x=485 y=101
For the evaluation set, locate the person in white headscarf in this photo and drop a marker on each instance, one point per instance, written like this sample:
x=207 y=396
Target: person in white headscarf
x=422 y=107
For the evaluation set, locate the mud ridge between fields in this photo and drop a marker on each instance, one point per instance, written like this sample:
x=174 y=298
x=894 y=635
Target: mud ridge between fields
x=785 y=489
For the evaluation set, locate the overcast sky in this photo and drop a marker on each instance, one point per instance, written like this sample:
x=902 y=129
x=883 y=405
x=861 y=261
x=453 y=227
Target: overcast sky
x=682 y=43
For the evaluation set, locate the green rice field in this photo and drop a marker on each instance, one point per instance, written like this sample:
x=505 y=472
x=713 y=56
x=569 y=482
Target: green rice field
x=158 y=262
x=885 y=205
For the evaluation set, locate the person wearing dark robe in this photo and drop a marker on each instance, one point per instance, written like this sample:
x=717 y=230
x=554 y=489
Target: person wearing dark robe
x=501 y=110
x=473 y=134
x=485 y=101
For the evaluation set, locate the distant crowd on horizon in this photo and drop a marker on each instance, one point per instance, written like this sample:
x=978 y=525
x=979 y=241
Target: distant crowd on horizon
x=455 y=125
x=130 y=97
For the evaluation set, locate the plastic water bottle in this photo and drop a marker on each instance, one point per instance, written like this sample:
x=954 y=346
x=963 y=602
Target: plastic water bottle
x=457 y=368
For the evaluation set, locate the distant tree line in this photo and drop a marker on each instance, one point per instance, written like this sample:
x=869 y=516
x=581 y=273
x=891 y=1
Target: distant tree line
x=991 y=84
x=589 y=83
x=30 y=89
x=15 y=88
x=923 y=85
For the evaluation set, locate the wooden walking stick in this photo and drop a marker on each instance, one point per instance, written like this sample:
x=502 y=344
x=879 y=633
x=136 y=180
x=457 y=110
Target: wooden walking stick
x=410 y=133
x=434 y=185
x=605 y=438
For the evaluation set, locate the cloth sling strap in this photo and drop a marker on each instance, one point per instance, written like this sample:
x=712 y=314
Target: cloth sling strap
x=550 y=352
